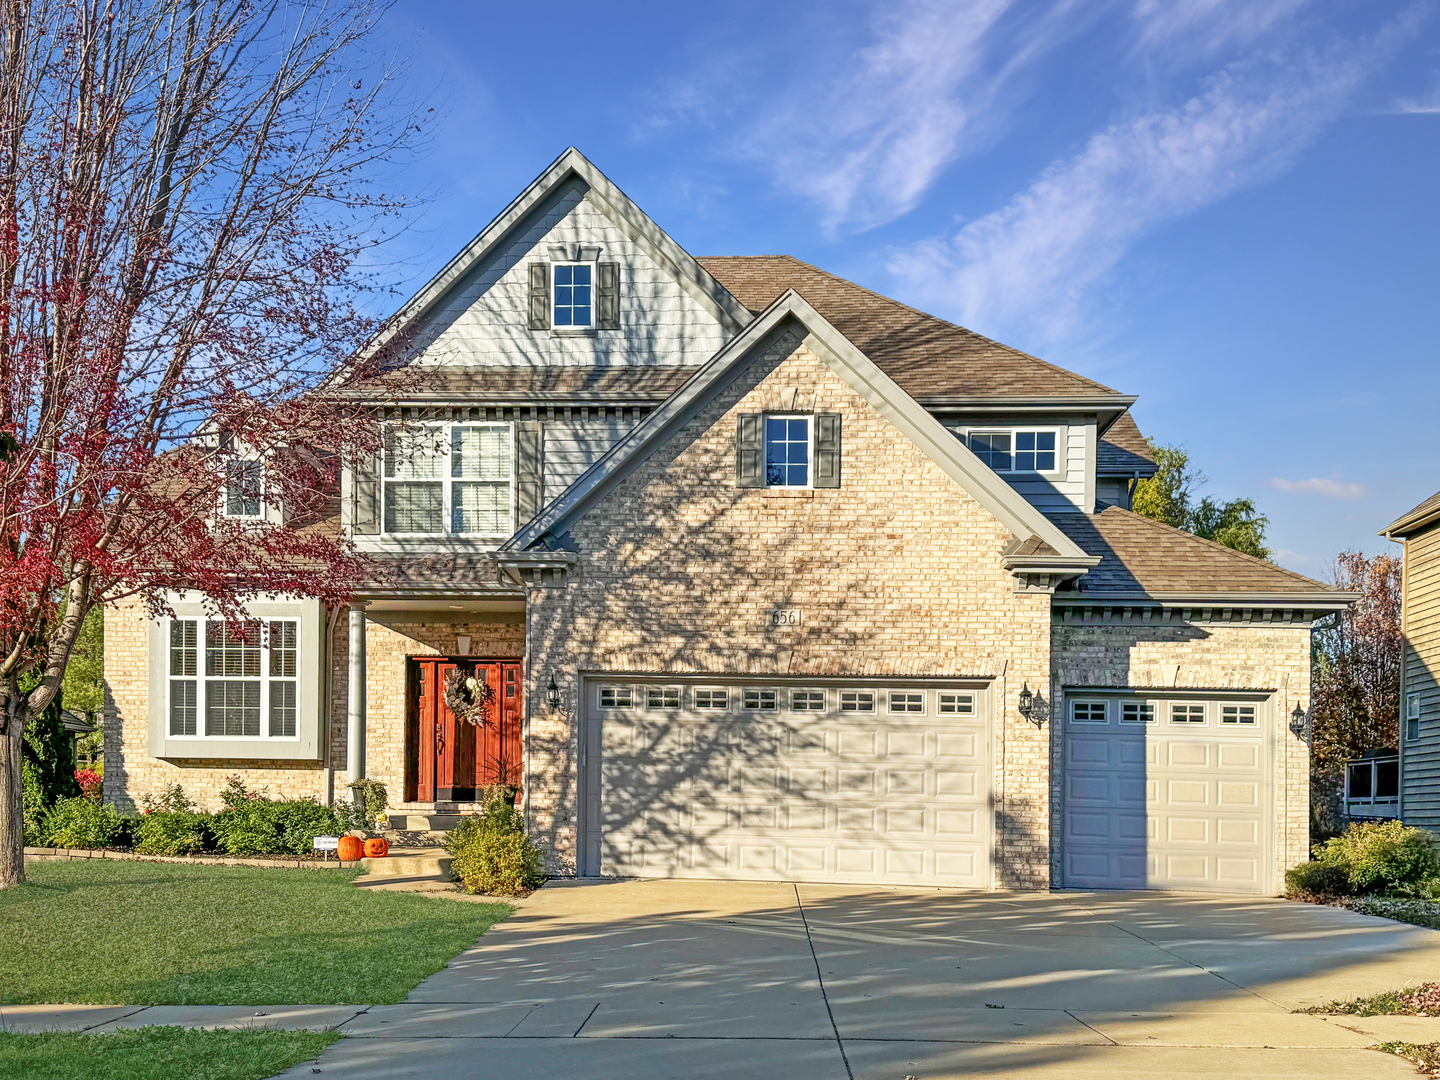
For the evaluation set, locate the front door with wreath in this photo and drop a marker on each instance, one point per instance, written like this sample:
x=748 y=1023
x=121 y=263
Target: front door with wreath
x=462 y=731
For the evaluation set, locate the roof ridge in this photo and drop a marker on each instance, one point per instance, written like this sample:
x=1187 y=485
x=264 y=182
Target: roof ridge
x=924 y=314
x=1266 y=563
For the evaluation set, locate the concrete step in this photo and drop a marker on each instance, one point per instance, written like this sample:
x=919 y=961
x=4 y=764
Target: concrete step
x=425 y=822
x=410 y=862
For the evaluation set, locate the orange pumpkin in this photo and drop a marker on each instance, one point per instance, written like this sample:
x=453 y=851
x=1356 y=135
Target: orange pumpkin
x=377 y=847
x=350 y=849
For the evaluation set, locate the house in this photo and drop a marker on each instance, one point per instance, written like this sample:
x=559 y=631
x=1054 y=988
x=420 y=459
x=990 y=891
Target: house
x=1418 y=533
x=770 y=577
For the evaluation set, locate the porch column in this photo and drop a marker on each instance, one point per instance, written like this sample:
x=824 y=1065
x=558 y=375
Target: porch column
x=355 y=729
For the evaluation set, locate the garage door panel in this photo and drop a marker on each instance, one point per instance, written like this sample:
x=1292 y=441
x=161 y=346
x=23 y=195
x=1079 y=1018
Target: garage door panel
x=829 y=797
x=1153 y=807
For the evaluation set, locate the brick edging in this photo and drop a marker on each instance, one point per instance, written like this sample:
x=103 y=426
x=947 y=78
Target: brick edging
x=66 y=854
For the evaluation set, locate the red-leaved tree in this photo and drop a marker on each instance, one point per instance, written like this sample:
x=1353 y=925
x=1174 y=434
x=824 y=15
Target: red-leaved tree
x=185 y=186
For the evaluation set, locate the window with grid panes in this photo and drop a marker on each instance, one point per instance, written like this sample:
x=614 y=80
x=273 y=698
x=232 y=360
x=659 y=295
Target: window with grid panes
x=1137 y=712
x=857 y=701
x=1187 y=714
x=573 y=294
x=763 y=700
x=1237 y=714
x=712 y=699
x=615 y=697
x=662 y=697
x=448 y=478
x=955 y=703
x=901 y=702
x=1087 y=712
x=807 y=700
x=787 y=451
x=244 y=489
x=246 y=684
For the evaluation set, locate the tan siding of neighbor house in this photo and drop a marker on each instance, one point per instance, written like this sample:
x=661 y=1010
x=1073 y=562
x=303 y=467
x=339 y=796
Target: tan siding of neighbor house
x=898 y=572
x=1420 y=759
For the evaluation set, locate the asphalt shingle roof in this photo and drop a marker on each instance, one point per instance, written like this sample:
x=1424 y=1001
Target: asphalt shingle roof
x=1139 y=555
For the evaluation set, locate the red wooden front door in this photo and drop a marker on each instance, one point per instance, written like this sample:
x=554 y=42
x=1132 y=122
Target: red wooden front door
x=448 y=760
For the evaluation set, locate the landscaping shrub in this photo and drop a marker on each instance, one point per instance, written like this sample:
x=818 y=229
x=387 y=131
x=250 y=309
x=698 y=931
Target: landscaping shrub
x=174 y=832
x=92 y=784
x=81 y=823
x=1381 y=856
x=261 y=826
x=33 y=804
x=299 y=822
x=490 y=852
x=1316 y=881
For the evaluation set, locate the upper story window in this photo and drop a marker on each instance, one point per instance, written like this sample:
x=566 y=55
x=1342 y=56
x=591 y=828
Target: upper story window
x=233 y=682
x=244 y=489
x=574 y=294
x=448 y=478
x=1015 y=451
x=787 y=451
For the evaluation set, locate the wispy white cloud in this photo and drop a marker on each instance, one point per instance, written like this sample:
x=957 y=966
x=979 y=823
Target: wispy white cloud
x=1208 y=25
x=1330 y=489
x=1034 y=260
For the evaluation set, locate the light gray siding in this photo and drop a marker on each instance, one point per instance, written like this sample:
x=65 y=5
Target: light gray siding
x=573 y=446
x=1420 y=759
x=1072 y=486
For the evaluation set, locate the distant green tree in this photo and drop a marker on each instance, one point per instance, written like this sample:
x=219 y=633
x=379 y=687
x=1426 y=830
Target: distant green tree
x=49 y=751
x=1169 y=496
x=84 y=682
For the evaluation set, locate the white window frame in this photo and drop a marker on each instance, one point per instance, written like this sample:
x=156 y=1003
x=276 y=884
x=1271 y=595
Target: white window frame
x=616 y=693
x=265 y=679
x=662 y=691
x=954 y=703
x=891 y=710
x=864 y=702
x=445 y=430
x=1076 y=704
x=1412 y=706
x=724 y=693
x=1238 y=722
x=1140 y=707
x=231 y=463
x=1060 y=434
x=760 y=706
x=554 y=291
x=808 y=708
x=1204 y=720
x=809 y=419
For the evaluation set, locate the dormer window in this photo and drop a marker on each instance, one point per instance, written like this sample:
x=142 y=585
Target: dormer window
x=1015 y=451
x=244 y=489
x=574 y=294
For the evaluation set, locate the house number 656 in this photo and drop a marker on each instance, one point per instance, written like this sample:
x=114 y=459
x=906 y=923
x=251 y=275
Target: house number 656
x=785 y=617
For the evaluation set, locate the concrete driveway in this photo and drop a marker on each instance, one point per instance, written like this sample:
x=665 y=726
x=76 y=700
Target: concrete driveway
x=632 y=980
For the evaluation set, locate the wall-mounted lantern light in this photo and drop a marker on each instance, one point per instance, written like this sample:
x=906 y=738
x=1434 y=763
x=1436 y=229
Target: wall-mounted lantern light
x=1298 y=723
x=552 y=694
x=1029 y=706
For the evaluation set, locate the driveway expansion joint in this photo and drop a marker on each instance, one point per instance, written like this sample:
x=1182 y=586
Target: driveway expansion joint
x=820 y=976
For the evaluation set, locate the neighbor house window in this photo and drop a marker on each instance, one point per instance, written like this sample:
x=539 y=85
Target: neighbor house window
x=244 y=489
x=448 y=478
x=857 y=701
x=1015 y=451
x=1087 y=712
x=574 y=287
x=787 y=451
x=246 y=686
x=1412 y=717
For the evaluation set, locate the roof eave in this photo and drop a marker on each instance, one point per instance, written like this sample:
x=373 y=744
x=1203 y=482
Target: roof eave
x=1411 y=523
x=1316 y=600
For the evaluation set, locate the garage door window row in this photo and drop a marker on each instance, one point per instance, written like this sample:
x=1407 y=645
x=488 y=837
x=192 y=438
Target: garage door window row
x=1187 y=713
x=798 y=700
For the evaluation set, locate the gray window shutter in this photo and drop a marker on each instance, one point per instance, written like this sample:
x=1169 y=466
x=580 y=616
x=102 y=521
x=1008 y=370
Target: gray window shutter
x=529 y=487
x=827 y=450
x=750 y=450
x=365 y=486
x=607 y=296
x=539 y=296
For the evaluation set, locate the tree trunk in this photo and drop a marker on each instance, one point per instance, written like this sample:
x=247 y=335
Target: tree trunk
x=12 y=805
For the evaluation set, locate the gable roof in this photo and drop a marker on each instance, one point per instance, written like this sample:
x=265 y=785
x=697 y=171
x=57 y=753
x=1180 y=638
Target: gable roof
x=930 y=359
x=693 y=277
x=901 y=410
x=1123 y=451
x=1414 y=520
x=1144 y=559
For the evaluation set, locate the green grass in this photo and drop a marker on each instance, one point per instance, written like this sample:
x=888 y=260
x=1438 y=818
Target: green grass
x=137 y=933
x=158 y=1053
x=1421 y=1000
x=1426 y=1056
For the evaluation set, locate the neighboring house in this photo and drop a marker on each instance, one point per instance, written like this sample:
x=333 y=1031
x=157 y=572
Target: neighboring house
x=1418 y=532
x=773 y=577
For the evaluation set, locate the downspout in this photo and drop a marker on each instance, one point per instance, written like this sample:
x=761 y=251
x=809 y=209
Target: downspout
x=327 y=707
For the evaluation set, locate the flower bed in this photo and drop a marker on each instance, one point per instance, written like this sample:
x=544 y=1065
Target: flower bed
x=210 y=859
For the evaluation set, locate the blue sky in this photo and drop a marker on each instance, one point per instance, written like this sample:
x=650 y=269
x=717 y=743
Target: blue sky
x=1227 y=207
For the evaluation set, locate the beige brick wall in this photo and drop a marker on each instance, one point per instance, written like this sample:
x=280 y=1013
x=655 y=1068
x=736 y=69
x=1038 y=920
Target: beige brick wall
x=391 y=637
x=897 y=572
x=1204 y=655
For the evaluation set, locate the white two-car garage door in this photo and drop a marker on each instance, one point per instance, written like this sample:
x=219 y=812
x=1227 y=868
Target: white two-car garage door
x=1167 y=793
x=817 y=781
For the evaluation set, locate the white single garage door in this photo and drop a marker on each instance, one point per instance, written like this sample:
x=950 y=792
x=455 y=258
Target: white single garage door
x=818 y=782
x=1167 y=793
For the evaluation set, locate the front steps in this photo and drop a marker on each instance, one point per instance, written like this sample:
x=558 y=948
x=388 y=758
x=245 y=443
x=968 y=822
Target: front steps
x=434 y=822
x=420 y=869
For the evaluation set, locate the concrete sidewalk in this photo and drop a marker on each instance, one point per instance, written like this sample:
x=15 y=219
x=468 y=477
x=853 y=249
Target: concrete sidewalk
x=634 y=980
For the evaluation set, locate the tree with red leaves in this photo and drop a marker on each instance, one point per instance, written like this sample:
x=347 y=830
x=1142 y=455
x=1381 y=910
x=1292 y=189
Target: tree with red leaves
x=185 y=186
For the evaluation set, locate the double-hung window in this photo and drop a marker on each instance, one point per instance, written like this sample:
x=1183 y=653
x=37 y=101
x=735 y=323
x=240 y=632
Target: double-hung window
x=229 y=682
x=453 y=478
x=1412 y=717
x=574 y=292
x=787 y=451
x=244 y=489
x=1015 y=451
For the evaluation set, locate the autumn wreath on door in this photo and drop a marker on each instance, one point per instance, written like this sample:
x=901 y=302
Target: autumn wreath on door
x=468 y=698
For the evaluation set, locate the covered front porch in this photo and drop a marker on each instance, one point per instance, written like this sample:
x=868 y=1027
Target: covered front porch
x=395 y=727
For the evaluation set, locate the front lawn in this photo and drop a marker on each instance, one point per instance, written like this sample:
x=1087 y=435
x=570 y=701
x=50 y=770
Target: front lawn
x=158 y=1053
x=135 y=933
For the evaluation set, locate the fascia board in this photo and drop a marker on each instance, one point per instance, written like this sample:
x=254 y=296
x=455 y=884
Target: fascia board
x=1407 y=526
x=1030 y=403
x=1320 y=599
x=570 y=162
x=837 y=351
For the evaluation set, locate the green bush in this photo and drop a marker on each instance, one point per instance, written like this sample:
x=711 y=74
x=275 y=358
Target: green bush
x=173 y=832
x=299 y=822
x=81 y=823
x=490 y=852
x=33 y=805
x=1381 y=856
x=259 y=826
x=1316 y=881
